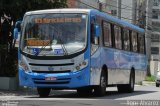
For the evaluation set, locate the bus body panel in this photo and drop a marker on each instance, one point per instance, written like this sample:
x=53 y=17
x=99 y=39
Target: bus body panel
x=63 y=80
x=96 y=67
x=73 y=79
x=120 y=63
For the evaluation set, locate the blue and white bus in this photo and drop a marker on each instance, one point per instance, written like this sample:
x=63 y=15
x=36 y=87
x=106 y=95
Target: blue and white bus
x=82 y=49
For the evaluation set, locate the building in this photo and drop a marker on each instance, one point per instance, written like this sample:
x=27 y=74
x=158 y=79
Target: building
x=108 y=6
x=155 y=36
x=127 y=10
x=72 y=3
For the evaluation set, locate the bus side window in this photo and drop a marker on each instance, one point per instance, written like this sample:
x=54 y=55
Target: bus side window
x=126 y=40
x=107 y=41
x=134 y=41
x=141 y=43
x=117 y=34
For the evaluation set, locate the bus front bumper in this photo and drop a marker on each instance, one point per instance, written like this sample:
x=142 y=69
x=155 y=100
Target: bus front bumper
x=55 y=80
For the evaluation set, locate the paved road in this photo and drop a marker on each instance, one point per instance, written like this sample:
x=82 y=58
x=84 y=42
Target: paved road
x=141 y=97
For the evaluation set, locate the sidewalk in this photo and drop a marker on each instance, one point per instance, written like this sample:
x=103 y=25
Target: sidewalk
x=20 y=92
x=146 y=83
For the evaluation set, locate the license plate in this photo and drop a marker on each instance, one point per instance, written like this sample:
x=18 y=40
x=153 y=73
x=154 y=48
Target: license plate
x=50 y=78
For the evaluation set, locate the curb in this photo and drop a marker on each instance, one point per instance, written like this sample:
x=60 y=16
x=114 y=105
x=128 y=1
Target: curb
x=148 y=83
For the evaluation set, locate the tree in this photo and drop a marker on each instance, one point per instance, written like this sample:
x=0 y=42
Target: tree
x=15 y=9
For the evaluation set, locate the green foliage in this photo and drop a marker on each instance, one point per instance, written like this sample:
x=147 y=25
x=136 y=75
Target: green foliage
x=139 y=83
x=11 y=66
x=8 y=62
x=16 y=9
x=150 y=78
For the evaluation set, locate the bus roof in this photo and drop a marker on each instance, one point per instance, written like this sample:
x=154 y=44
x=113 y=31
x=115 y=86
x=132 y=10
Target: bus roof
x=117 y=21
x=93 y=12
x=65 y=10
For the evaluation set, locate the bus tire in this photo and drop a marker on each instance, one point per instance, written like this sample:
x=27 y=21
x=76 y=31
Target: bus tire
x=130 y=86
x=127 y=88
x=43 y=92
x=100 y=90
x=157 y=85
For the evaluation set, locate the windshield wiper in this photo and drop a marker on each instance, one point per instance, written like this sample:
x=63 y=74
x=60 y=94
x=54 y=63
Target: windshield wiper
x=41 y=49
x=63 y=46
x=61 y=43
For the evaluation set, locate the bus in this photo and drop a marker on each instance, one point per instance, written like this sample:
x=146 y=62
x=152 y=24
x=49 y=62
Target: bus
x=81 y=49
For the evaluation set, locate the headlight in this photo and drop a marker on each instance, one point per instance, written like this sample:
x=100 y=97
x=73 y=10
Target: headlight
x=24 y=65
x=81 y=65
x=93 y=49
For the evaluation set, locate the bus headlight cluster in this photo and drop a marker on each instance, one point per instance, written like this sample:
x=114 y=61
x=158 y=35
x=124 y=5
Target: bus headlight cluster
x=23 y=64
x=81 y=65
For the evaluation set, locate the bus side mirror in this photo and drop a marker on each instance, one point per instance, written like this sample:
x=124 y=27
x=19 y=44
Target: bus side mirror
x=15 y=33
x=17 y=29
x=96 y=30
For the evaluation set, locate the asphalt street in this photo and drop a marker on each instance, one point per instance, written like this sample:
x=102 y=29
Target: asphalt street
x=143 y=96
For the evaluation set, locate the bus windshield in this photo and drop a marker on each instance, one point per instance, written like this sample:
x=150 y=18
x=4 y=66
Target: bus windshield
x=54 y=34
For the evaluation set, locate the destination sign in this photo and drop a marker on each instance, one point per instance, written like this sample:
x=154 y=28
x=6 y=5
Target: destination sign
x=56 y=20
x=33 y=42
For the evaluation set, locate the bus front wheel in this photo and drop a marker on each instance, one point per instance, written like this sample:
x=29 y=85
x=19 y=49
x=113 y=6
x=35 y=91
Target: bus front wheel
x=100 y=90
x=43 y=92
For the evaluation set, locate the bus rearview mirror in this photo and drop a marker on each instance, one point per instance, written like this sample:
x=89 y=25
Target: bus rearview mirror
x=17 y=29
x=96 y=30
x=15 y=33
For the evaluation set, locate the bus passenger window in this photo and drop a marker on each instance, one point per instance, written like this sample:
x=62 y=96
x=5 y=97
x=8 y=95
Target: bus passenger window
x=141 y=43
x=117 y=34
x=134 y=41
x=107 y=34
x=126 y=40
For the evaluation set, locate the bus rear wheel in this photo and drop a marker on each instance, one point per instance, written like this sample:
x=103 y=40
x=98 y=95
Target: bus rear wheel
x=157 y=85
x=100 y=90
x=128 y=88
x=43 y=92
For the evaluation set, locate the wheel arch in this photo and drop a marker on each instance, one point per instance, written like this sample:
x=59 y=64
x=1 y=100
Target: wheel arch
x=105 y=69
x=132 y=71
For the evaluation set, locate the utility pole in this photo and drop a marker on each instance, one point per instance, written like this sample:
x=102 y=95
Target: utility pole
x=100 y=6
x=134 y=11
x=119 y=8
x=101 y=2
x=148 y=33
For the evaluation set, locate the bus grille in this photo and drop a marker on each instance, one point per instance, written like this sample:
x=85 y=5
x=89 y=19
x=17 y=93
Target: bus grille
x=65 y=71
x=58 y=81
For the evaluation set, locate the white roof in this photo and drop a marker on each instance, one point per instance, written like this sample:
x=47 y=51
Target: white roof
x=65 y=10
